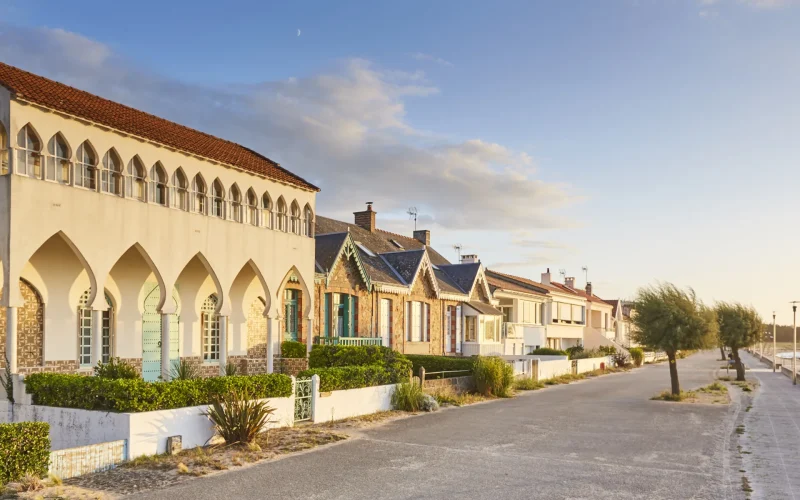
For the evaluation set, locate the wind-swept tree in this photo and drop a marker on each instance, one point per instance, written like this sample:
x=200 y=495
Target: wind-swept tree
x=670 y=319
x=739 y=326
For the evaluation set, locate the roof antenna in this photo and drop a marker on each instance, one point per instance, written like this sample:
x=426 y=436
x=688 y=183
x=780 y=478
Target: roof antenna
x=412 y=212
x=585 y=270
x=457 y=247
x=563 y=273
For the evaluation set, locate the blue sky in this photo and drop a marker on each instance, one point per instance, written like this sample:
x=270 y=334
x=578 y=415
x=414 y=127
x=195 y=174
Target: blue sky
x=649 y=140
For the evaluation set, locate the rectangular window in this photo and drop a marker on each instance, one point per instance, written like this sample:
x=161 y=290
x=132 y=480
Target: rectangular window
x=470 y=323
x=385 y=322
x=107 y=315
x=565 y=313
x=210 y=324
x=85 y=337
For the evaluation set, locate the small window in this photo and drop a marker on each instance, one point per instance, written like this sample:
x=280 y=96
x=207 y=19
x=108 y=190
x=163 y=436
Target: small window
x=308 y=222
x=199 y=194
x=111 y=175
x=3 y=151
x=397 y=244
x=281 y=215
x=252 y=207
x=365 y=249
x=217 y=199
x=210 y=326
x=86 y=167
x=158 y=185
x=58 y=165
x=29 y=157
x=236 y=204
x=266 y=211
x=180 y=190
x=135 y=182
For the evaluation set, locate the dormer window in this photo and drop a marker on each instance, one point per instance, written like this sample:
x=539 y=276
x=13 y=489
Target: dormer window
x=397 y=244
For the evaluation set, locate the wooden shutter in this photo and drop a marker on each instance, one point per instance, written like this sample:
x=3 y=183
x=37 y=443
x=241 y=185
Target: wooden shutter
x=427 y=337
x=354 y=307
x=327 y=319
x=346 y=305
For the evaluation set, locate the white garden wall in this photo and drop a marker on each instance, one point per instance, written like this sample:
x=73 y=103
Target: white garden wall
x=337 y=405
x=555 y=368
x=591 y=364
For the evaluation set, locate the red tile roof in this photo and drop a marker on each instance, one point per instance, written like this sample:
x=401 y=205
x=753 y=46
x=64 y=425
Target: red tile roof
x=66 y=99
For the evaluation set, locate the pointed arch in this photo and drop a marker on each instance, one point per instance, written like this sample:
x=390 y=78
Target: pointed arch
x=266 y=210
x=86 y=166
x=295 y=220
x=251 y=202
x=217 y=199
x=199 y=194
x=29 y=152
x=59 y=159
x=180 y=190
x=280 y=215
x=308 y=221
x=294 y=276
x=158 y=184
x=236 y=203
x=211 y=273
x=136 y=180
x=111 y=173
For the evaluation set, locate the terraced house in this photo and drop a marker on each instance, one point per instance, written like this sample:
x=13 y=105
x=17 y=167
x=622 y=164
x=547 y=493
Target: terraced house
x=124 y=234
x=376 y=287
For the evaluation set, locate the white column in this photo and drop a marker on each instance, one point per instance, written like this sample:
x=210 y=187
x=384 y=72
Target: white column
x=270 y=349
x=11 y=338
x=223 y=344
x=97 y=337
x=166 y=368
x=310 y=335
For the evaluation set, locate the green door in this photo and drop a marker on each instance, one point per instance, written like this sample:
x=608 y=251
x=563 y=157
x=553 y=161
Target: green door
x=151 y=334
x=290 y=314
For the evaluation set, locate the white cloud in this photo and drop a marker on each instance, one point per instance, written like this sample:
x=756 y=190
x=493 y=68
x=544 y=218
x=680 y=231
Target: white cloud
x=421 y=56
x=345 y=130
x=755 y=4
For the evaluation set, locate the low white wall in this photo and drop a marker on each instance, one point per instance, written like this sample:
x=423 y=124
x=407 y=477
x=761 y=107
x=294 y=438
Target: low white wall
x=591 y=364
x=337 y=405
x=550 y=369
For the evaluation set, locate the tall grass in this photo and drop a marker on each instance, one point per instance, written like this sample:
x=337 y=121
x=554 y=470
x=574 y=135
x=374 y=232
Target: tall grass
x=493 y=376
x=408 y=396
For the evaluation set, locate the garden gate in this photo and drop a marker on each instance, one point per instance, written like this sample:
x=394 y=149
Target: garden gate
x=302 y=400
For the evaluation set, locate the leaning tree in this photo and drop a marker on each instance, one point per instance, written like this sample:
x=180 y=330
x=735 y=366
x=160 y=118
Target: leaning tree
x=670 y=319
x=739 y=326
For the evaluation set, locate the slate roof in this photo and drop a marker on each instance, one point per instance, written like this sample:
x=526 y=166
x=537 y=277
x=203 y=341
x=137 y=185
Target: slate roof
x=496 y=282
x=57 y=96
x=525 y=282
x=484 y=308
x=463 y=275
x=446 y=283
x=405 y=263
x=327 y=247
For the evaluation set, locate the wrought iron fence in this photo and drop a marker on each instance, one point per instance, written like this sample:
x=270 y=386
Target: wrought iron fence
x=302 y=400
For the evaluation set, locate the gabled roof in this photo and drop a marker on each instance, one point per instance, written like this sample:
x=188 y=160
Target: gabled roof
x=463 y=275
x=63 y=98
x=406 y=264
x=446 y=283
x=525 y=282
x=495 y=282
x=328 y=252
x=484 y=308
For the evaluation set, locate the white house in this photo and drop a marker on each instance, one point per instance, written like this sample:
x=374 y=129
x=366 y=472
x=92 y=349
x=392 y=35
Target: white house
x=124 y=234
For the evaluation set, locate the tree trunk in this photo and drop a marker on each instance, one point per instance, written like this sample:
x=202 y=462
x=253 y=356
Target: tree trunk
x=738 y=363
x=722 y=353
x=673 y=373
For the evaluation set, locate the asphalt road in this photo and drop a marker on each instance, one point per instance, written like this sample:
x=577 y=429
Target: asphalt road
x=599 y=438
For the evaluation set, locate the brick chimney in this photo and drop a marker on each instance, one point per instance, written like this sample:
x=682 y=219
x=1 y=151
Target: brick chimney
x=470 y=259
x=589 y=288
x=546 y=277
x=570 y=282
x=423 y=236
x=366 y=219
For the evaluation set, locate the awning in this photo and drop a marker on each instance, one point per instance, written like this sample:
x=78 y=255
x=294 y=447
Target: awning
x=484 y=308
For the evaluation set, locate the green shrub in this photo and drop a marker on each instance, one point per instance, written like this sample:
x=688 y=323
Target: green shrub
x=575 y=352
x=183 y=369
x=339 y=378
x=329 y=356
x=125 y=395
x=25 y=449
x=547 y=351
x=493 y=376
x=231 y=370
x=408 y=396
x=637 y=355
x=528 y=384
x=115 y=369
x=237 y=417
x=292 y=349
x=587 y=354
x=607 y=350
x=440 y=364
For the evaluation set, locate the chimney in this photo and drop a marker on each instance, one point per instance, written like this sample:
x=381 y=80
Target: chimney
x=470 y=259
x=546 y=277
x=366 y=219
x=589 y=288
x=570 y=282
x=423 y=236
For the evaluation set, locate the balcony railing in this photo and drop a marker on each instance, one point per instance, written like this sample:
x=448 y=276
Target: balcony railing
x=351 y=341
x=512 y=330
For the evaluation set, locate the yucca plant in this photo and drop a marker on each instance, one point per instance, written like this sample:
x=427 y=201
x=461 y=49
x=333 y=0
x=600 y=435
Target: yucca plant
x=183 y=369
x=231 y=370
x=237 y=418
x=8 y=382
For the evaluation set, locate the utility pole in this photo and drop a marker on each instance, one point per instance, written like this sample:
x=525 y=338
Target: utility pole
x=774 y=345
x=794 y=342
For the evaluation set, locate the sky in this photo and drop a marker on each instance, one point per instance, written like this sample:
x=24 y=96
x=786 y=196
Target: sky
x=647 y=140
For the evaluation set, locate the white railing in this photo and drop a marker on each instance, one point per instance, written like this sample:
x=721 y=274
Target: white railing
x=352 y=341
x=513 y=330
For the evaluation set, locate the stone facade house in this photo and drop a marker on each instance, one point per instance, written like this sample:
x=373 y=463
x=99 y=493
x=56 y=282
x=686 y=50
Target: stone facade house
x=376 y=287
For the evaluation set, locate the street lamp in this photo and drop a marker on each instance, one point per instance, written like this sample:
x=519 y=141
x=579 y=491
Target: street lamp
x=774 y=345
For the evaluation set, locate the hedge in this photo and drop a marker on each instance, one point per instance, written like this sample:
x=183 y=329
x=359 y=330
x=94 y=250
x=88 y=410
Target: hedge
x=25 y=449
x=329 y=356
x=132 y=396
x=547 y=351
x=440 y=364
x=292 y=349
x=353 y=377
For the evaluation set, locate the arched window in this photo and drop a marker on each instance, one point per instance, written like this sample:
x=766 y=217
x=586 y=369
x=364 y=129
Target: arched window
x=295 y=226
x=236 y=203
x=308 y=222
x=210 y=325
x=136 y=180
x=29 y=157
x=86 y=167
x=85 y=330
x=266 y=211
x=281 y=215
x=59 y=163
x=3 y=150
x=180 y=190
x=252 y=207
x=158 y=184
x=199 y=193
x=217 y=199
x=111 y=173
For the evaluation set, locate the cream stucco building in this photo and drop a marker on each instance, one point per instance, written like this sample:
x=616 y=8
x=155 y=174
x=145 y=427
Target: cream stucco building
x=123 y=234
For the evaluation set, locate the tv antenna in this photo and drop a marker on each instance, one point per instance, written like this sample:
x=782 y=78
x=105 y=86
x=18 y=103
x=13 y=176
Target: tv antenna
x=412 y=214
x=585 y=270
x=563 y=273
x=457 y=247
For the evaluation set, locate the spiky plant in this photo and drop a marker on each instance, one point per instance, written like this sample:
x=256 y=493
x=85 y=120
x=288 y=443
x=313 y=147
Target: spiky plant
x=238 y=418
x=408 y=396
x=183 y=369
x=231 y=369
x=8 y=382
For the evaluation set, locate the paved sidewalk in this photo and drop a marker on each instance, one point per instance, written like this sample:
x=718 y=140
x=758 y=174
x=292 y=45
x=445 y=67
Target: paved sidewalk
x=771 y=440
